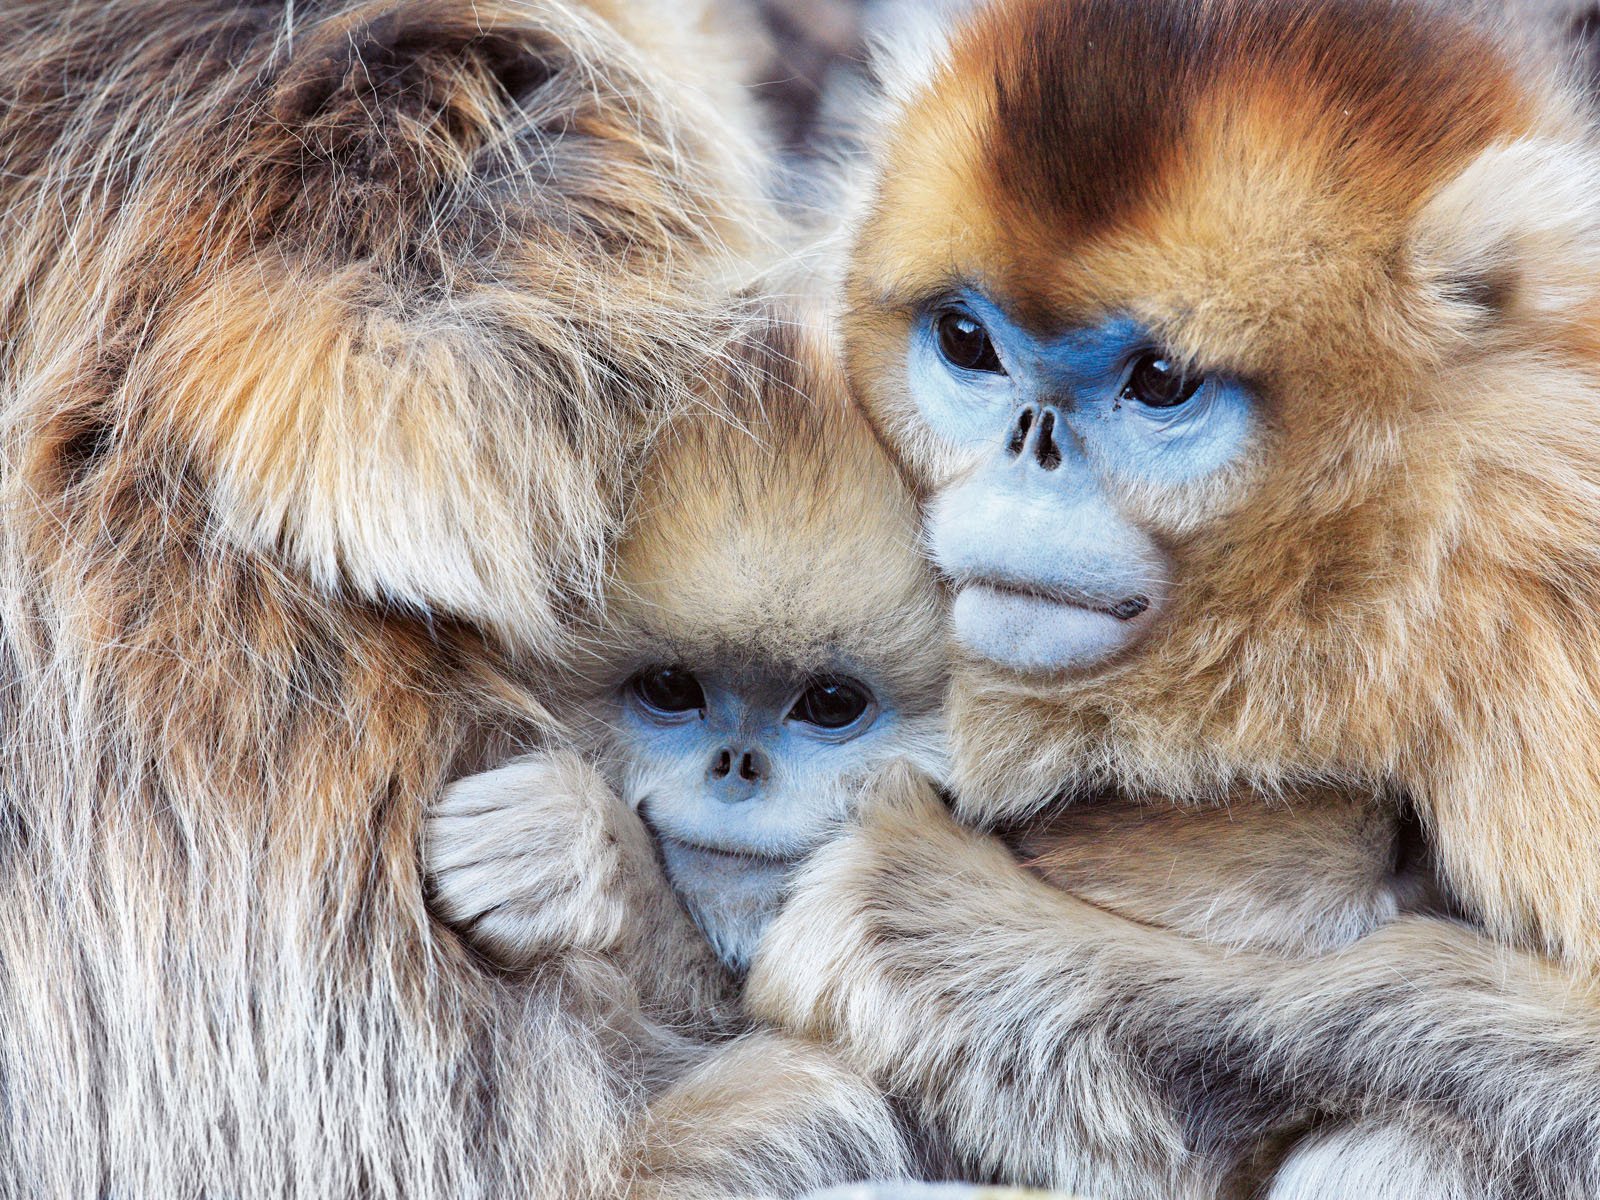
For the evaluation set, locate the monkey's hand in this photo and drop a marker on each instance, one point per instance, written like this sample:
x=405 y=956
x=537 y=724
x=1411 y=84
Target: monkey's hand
x=536 y=856
x=540 y=857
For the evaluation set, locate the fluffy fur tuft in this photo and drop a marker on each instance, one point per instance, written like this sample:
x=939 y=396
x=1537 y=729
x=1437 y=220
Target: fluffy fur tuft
x=329 y=336
x=756 y=517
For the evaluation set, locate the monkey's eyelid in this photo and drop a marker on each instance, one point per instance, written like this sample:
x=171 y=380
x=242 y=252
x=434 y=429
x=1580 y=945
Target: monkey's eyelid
x=1180 y=362
x=950 y=296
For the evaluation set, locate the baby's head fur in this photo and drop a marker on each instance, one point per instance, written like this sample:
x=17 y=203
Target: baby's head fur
x=774 y=634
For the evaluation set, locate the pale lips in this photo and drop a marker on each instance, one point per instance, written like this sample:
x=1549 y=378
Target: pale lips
x=1034 y=629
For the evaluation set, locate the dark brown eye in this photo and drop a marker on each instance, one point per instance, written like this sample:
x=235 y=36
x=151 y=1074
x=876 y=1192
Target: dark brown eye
x=669 y=690
x=965 y=343
x=831 y=702
x=1158 y=382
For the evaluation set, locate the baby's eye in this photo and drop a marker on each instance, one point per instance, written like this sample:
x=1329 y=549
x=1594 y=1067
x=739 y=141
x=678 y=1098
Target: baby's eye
x=832 y=702
x=668 y=691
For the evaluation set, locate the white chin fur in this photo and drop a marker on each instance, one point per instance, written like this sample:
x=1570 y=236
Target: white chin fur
x=1030 y=633
x=730 y=897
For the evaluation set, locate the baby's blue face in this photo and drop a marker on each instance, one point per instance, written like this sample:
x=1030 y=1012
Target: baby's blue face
x=1054 y=433
x=743 y=769
x=747 y=761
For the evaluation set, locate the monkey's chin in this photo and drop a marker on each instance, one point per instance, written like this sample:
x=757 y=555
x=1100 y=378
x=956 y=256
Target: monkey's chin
x=730 y=896
x=1034 y=633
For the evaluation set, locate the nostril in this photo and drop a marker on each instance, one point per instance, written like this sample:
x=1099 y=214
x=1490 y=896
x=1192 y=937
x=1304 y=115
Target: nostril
x=1019 y=435
x=750 y=768
x=724 y=764
x=1045 y=449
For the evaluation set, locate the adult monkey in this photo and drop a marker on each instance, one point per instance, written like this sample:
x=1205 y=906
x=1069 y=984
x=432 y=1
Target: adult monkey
x=1243 y=352
x=329 y=333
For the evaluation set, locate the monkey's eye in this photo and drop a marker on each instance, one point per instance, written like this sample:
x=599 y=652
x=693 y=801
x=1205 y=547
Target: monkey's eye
x=1157 y=382
x=668 y=690
x=831 y=702
x=965 y=343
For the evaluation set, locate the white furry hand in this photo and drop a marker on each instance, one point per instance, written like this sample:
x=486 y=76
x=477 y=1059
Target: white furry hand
x=837 y=937
x=532 y=857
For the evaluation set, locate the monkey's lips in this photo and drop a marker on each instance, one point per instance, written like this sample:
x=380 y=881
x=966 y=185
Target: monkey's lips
x=686 y=835
x=735 y=858
x=733 y=836
x=1037 y=628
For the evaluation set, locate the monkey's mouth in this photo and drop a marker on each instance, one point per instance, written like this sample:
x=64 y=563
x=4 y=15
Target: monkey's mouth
x=741 y=857
x=1128 y=608
x=1030 y=627
x=728 y=853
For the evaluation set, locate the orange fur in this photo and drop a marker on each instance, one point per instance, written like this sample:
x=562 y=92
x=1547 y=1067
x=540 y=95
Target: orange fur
x=1384 y=219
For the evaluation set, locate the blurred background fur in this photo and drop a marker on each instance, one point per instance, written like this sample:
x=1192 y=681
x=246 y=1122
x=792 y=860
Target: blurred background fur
x=810 y=43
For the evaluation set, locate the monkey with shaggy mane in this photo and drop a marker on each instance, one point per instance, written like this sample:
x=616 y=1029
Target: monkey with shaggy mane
x=330 y=337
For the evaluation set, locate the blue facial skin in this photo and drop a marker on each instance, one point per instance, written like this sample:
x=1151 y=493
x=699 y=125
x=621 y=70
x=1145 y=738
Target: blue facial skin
x=1052 y=574
x=1082 y=372
x=737 y=786
x=743 y=774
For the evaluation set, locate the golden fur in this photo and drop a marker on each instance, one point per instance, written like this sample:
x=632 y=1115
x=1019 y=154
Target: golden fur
x=1397 y=590
x=1383 y=217
x=331 y=335
x=774 y=528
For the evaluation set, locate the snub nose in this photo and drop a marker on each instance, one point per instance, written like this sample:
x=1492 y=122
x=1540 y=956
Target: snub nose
x=1034 y=436
x=750 y=766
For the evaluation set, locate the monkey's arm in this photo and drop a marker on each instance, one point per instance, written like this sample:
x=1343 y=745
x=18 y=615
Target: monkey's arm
x=1301 y=877
x=769 y=1115
x=539 y=857
x=1051 y=1042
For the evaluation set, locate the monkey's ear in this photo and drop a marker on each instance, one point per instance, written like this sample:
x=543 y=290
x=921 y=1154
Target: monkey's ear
x=1516 y=234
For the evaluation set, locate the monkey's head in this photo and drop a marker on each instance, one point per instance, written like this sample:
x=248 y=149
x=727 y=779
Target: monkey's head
x=1202 y=328
x=778 y=635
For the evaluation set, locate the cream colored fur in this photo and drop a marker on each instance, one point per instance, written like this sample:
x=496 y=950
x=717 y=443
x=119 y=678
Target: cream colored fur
x=331 y=336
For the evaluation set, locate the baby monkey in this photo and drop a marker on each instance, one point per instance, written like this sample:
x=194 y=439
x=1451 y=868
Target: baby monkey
x=772 y=638
x=771 y=635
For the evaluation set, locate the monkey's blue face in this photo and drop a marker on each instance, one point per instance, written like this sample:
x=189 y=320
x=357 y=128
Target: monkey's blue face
x=742 y=769
x=746 y=761
x=1061 y=440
